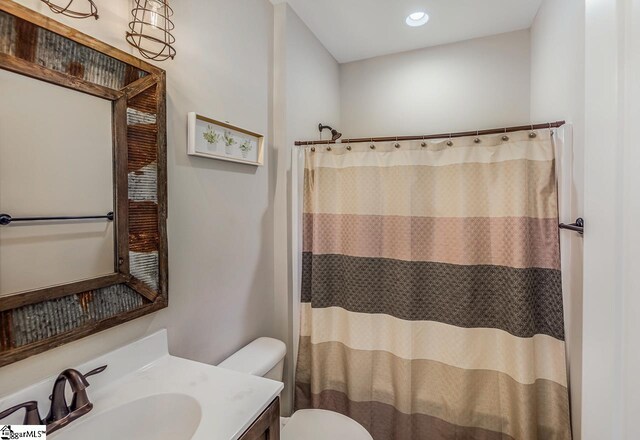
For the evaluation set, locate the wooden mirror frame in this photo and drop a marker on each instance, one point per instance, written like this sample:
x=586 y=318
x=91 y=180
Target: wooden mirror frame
x=31 y=322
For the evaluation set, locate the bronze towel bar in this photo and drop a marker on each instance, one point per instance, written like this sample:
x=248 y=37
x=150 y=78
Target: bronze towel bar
x=6 y=219
x=578 y=226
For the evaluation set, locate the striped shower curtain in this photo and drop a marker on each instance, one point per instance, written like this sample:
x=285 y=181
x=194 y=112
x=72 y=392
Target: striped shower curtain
x=431 y=291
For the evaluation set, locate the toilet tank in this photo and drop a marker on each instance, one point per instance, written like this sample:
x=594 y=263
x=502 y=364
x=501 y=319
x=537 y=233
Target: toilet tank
x=262 y=357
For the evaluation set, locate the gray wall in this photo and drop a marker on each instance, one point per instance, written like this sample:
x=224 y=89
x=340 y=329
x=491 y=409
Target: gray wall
x=558 y=92
x=306 y=92
x=474 y=84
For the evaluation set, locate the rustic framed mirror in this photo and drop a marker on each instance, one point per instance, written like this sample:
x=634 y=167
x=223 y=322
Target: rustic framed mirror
x=83 y=185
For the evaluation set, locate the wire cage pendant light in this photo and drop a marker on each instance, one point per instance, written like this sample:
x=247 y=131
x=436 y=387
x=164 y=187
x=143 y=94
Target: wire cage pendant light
x=90 y=9
x=150 y=29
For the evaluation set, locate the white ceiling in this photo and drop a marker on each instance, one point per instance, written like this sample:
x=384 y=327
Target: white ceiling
x=357 y=29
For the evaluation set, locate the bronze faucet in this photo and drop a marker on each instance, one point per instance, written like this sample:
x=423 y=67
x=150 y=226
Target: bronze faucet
x=31 y=416
x=60 y=414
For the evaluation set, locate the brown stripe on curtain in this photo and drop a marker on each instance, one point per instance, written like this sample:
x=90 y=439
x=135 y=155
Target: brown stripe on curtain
x=480 y=398
x=523 y=302
x=383 y=421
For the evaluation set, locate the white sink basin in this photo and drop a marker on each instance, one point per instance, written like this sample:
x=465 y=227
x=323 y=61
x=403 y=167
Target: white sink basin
x=145 y=393
x=157 y=417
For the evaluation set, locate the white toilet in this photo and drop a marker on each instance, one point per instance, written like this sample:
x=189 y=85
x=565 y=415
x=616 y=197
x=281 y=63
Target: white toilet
x=265 y=357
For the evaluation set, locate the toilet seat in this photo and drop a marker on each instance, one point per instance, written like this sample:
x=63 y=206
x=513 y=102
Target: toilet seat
x=320 y=424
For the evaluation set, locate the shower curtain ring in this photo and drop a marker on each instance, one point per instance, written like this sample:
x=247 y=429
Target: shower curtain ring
x=372 y=146
x=449 y=142
x=397 y=145
x=504 y=136
x=423 y=143
x=477 y=139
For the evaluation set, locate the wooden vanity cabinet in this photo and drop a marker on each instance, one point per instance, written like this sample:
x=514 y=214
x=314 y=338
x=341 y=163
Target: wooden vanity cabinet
x=267 y=425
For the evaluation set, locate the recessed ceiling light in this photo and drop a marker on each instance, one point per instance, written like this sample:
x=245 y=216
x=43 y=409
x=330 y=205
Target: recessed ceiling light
x=417 y=19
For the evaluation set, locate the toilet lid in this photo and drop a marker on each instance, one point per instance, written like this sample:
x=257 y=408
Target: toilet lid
x=319 y=424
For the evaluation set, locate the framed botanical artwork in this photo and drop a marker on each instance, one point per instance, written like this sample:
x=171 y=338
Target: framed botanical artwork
x=219 y=140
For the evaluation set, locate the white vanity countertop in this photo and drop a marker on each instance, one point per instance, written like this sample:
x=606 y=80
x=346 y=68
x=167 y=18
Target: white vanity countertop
x=229 y=401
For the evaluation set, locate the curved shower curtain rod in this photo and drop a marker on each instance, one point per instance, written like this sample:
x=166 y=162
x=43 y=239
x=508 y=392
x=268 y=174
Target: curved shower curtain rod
x=439 y=136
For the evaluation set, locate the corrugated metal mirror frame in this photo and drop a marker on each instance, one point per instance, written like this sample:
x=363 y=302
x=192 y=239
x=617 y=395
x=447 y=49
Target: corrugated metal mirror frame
x=32 y=322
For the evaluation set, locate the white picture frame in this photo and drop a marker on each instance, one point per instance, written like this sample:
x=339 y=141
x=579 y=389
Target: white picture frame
x=219 y=140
